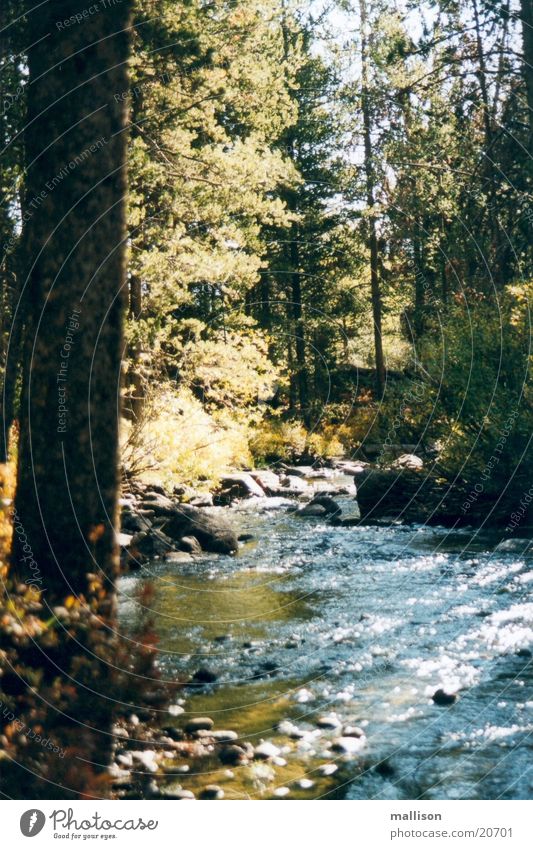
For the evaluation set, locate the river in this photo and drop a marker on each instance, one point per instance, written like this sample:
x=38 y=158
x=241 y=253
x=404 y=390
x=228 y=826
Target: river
x=363 y=623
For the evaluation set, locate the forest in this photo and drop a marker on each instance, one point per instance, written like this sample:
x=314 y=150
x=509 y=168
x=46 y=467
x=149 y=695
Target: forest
x=266 y=272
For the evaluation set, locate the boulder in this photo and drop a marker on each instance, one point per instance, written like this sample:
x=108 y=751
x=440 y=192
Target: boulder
x=190 y=544
x=131 y=521
x=444 y=699
x=408 y=461
x=312 y=510
x=291 y=483
x=156 y=502
x=268 y=481
x=212 y=532
x=321 y=505
x=243 y=484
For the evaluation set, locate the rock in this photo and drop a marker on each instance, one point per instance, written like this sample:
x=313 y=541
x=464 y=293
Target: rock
x=351 y=469
x=179 y=557
x=329 y=506
x=161 y=543
x=203 y=499
x=175 y=734
x=124 y=540
x=289 y=729
x=190 y=544
x=142 y=545
x=281 y=792
x=294 y=484
x=268 y=481
x=233 y=756
x=352 y=731
x=244 y=483
x=132 y=522
x=212 y=532
x=408 y=461
x=327 y=769
x=157 y=502
x=329 y=721
x=224 y=736
x=178 y=795
x=199 y=723
x=204 y=676
x=146 y=760
x=266 y=750
x=514 y=546
x=312 y=510
x=442 y=698
x=211 y=791
x=245 y=537
x=305 y=783
x=155 y=489
x=348 y=745
x=298 y=471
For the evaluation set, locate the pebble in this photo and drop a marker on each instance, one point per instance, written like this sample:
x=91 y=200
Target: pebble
x=352 y=731
x=280 y=792
x=179 y=795
x=289 y=729
x=175 y=710
x=327 y=769
x=306 y=783
x=199 y=723
x=212 y=791
x=225 y=736
x=266 y=750
x=175 y=734
x=233 y=756
x=330 y=721
x=347 y=745
x=118 y=731
x=176 y=770
x=146 y=759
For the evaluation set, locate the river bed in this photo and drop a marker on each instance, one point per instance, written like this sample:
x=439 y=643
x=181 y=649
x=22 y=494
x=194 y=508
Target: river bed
x=364 y=624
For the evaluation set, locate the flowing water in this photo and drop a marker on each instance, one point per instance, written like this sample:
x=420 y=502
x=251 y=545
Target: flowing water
x=365 y=623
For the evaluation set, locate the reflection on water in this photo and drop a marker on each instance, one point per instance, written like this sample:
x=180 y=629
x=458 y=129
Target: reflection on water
x=366 y=622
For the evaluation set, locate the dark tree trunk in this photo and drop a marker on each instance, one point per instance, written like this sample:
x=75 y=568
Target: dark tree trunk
x=370 y=189
x=75 y=277
x=526 y=13
x=136 y=392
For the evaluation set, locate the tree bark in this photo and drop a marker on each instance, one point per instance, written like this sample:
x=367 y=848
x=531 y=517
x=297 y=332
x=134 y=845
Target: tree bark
x=75 y=238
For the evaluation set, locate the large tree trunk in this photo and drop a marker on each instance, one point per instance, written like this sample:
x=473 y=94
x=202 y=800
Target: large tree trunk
x=75 y=235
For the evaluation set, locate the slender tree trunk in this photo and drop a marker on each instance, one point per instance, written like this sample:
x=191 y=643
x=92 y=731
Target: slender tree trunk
x=75 y=249
x=526 y=13
x=494 y=226
x=299 y=328
x=133 y=408
x=370 y=190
